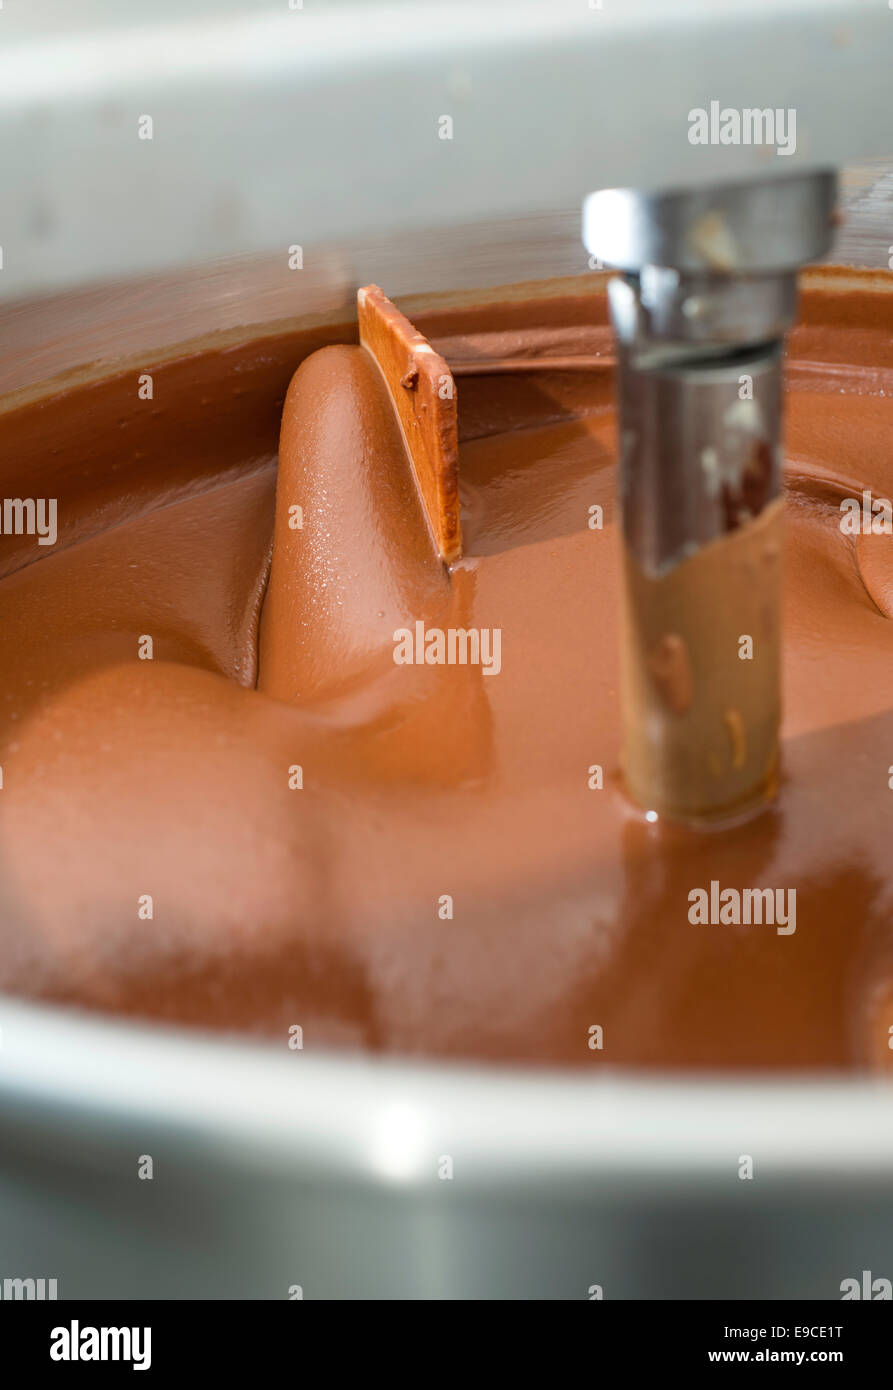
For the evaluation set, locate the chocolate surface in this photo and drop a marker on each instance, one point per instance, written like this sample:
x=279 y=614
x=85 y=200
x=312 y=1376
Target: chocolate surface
x=324 y=905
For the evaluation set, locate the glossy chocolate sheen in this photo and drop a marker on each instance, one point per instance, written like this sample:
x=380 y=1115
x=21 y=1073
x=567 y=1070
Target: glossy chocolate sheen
x=445 y=881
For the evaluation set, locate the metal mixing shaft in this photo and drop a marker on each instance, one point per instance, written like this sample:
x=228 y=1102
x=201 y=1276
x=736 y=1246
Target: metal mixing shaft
x=707 y=292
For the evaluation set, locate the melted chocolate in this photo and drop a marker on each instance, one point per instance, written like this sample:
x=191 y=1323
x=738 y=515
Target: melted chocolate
x=174 y=778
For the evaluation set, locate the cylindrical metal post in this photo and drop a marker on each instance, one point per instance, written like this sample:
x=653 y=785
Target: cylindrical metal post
x=700 y=313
